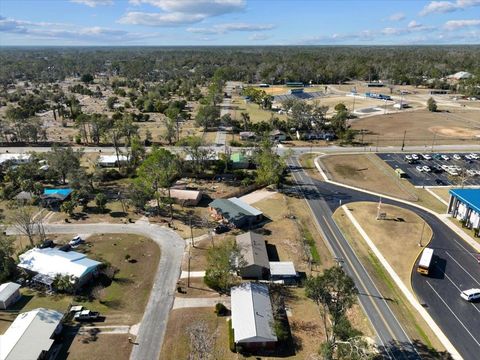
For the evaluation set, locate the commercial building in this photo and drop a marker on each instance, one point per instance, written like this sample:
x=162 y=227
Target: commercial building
x=464 y=205
x=9 y=294
x=252 y=317
x=47 y=263
x=254 y=251
x=31 y=335
x=235 y=211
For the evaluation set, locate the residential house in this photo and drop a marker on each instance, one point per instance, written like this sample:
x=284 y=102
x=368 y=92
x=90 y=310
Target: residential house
x=254 y=251
x=112 y=160
x=47 y=263
x=235 y=211
x=53 y=198
x=252 y=317
x=277 y=135
x=31 y=335
x=247 y=135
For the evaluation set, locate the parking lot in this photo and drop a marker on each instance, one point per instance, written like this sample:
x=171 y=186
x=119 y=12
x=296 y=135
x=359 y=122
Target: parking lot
x=437 y=176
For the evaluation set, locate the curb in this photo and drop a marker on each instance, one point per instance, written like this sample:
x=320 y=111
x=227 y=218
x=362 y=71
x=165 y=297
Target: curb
x=409 y=296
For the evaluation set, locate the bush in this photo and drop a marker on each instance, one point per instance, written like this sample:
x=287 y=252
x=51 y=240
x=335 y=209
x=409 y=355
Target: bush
x=231 y=337
x=221 y=309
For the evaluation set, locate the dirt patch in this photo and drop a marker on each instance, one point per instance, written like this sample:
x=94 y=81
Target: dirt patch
x=99 y=347
x=454 y=131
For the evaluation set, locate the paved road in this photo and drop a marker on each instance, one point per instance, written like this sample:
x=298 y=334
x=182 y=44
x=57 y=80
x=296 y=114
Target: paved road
x=393 y=341
x=154 y=322
x=455 y=268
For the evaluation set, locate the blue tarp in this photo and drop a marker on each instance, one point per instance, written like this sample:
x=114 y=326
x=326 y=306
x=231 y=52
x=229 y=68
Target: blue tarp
x=470 y=197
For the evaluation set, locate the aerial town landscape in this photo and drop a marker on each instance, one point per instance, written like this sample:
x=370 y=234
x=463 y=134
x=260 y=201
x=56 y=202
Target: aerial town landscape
x=202 y=180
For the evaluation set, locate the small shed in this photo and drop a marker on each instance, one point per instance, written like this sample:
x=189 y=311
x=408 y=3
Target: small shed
x=9 y=294
x=254 y=251
x=282 y=270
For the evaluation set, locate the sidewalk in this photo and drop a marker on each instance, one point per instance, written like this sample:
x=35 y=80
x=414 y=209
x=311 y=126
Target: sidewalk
x=200 y=302
x=193 y=274
x=403 y=288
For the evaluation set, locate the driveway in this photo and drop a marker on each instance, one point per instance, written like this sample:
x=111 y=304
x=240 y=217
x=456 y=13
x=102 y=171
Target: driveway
x=155 y=318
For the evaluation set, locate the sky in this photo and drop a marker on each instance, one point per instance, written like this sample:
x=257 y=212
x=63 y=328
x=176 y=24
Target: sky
x=238 y=22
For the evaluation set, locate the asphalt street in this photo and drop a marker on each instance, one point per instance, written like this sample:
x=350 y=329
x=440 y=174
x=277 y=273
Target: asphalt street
x=455 y=269
x=154 y=322
x=394 y=343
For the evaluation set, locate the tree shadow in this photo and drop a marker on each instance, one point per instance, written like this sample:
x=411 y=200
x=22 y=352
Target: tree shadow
x=118 y=214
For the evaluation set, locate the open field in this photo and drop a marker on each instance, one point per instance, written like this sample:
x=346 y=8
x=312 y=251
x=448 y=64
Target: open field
x=256 y=113
x=426 y=341
x=369 y=172
x=442 y=192
x=397 y=237
x=124 y=300
x=97 y=347
x=421 y=128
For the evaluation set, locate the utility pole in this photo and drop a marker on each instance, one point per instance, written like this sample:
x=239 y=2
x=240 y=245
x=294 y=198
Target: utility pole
x=403 y=141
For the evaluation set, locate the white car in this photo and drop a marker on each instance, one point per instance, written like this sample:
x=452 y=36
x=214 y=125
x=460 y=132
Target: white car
x=457 y=157
x=419 y=168
x=474 y=156
x=471 y=172
x=426 y=156
x=408 y=157
x=445 y=157
x=468 y=157
x=426 y=168
x=77 y=240
x=415 y=156
x=470 y=294
x=445 y=167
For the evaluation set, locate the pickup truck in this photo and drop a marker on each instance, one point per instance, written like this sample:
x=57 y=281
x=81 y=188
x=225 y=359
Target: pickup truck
x=86 y=315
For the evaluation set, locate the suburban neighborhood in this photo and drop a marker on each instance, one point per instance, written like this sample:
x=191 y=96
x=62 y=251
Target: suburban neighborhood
x=192 y=180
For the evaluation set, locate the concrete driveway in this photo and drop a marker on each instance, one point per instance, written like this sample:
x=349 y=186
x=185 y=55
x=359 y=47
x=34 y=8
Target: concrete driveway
x=154 y=322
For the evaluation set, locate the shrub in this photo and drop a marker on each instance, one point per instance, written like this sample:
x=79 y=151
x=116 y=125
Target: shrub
x=231 y=337
x=220 y=309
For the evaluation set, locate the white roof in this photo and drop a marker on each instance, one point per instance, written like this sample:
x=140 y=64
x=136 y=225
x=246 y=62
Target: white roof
x=282 y=268
x=29 y=335
x=14 y=157
x=245 y=206
x=252 y=316
x=51 y=261
x=111 y=159
x=461 y=75
x=426 y=257
x=7 y=290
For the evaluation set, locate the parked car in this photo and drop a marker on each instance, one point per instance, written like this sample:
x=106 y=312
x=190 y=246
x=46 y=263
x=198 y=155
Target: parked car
x=470 y=294
x=457 y=157
x=445 y=157
x=426 y=168
x=86 y=315
x=426 y=157
x=415 y=157
x=438 y=168
x=474 y=156
x=220 y=229
x=408 y=158
x=419 y=168
x=472 y=172
x=77 y=240
x=47 y=244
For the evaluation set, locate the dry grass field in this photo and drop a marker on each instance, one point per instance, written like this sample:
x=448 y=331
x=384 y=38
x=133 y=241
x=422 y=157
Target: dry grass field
x=99 y=347
x=421 y=128
x=413 y=323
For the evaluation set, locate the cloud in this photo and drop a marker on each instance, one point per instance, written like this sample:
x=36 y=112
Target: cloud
x=399 y=16
x=225 y=28
x=95 y=34
x=412 y=27
x=93 y=3
x=460 y=24
x=448 y=6
x=176 y=13
x=259 y=37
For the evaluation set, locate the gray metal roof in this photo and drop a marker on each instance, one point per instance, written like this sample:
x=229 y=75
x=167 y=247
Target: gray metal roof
x=7 y=290
x=234 y=209
x=252 y=316
x=253 y=248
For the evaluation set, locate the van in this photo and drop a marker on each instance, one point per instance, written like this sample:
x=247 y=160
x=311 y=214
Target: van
x=470 y=294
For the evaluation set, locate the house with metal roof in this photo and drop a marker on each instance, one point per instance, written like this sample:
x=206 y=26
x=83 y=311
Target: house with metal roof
x=254 y=251
x=252 y=316
x=235 y=211
x=9 y=294
x=112 y=160
x=47 y=263
x=464 y=205
x=31 y=335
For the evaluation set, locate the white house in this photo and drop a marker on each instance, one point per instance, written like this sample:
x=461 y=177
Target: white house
x=9 y=294
x=252 y=317
x=31 y=335
x=15 y=159
x=112 y=160
x=49 y=262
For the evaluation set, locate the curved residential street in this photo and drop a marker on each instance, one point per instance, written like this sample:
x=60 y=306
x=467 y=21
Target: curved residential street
x=455 y=269
x=154 y=322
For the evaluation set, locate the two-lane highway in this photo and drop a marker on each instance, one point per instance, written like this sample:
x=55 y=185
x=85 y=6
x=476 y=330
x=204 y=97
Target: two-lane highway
x=393 y=340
